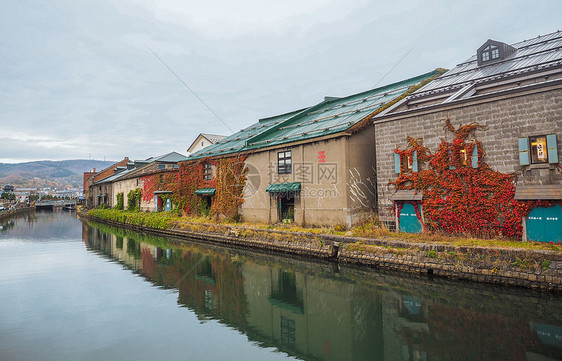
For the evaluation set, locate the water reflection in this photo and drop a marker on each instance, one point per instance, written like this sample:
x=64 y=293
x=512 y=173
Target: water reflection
x=319 y=311
x=41 y=226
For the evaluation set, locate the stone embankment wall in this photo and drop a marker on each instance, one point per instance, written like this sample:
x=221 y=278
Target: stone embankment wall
x=539 y=269
x=13 y=212
x=506 y=266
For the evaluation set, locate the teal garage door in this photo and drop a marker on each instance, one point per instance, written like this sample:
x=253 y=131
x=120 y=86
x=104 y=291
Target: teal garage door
x=544 y=224
x=408 y=221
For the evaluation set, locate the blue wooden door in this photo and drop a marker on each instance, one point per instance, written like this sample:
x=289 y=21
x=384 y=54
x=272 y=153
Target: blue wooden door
x=408 y=221
x=544 y=224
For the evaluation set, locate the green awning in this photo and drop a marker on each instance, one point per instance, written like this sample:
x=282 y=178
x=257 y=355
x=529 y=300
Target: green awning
x=206 y=191
x=162 y=192
x=208 y=280
x=294 y=307
x=284 y=187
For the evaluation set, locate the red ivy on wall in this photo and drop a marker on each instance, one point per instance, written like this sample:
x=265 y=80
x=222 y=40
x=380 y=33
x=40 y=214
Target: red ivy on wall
x=460 y=199
x=229 y=178
x=165 y=181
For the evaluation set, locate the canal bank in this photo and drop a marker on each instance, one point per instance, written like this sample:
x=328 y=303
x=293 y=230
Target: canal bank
x=523 y=267
x=16 y=211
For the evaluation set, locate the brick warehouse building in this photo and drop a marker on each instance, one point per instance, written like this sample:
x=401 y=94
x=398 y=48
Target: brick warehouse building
x=509 y=100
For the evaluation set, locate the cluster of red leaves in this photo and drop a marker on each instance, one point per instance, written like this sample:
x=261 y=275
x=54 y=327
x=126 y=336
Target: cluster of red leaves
x=459 y=199
x=165 y=181
x=229 y=181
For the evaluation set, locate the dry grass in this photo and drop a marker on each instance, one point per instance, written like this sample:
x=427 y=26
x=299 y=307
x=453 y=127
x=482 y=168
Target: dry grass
x=370 y=227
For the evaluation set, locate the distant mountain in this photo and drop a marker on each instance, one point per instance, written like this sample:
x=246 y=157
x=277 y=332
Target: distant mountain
x=48 y=173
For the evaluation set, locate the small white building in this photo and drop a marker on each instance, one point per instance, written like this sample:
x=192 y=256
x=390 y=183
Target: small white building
x=204 y=140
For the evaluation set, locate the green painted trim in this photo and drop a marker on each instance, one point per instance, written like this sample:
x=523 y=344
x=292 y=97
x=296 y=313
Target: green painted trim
x=284 y=187
x=206 y=191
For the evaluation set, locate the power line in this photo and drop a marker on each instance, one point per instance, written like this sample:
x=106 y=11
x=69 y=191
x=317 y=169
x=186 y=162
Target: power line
x=189 y=88
x=395 y=65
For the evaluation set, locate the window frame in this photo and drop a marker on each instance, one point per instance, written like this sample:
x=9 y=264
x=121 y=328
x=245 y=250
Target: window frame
x=490 y=53
x=406 y=162
x=285 y=162
x=207 y=171
x=533 y=152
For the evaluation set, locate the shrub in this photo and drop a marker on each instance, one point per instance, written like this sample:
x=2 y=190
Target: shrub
x=120 y=203
x=161 y=220
x=133 y=200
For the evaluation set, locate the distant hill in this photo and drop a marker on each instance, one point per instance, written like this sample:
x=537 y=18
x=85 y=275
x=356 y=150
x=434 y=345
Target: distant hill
x=48 y=173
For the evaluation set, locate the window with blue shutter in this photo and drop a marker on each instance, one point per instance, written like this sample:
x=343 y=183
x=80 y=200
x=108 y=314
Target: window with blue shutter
x=552 y=148
x=415 y=161
x=396 y=163
x=524 y=151
x=451 y=166
x=538 y=149
x=475 y=156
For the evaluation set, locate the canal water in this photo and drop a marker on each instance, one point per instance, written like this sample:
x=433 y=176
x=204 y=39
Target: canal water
x=77 y=291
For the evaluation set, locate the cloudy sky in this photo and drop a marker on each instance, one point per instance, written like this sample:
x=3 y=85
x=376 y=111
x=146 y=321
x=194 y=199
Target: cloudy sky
x=101 y=79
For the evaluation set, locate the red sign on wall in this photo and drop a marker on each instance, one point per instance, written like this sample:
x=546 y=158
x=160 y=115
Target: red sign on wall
x=321 y=157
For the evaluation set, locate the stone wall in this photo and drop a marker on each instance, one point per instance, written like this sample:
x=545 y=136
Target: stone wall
x=506 y=266
x=508 y=117
x=336 y=176
x=514 y=267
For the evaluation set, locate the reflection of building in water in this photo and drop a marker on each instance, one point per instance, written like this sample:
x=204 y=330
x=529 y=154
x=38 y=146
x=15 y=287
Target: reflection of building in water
x=549 y=336
x=418 y=329
x=405 y=318
x=127 y=250
x=314 y=313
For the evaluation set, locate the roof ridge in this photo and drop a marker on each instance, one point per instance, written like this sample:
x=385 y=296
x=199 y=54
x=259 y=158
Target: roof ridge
x=538 y=37
x=407 y=80
x=213 y=135
x=280 y=115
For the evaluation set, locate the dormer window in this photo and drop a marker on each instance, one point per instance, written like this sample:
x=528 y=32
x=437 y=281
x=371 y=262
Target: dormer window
x=493 y=51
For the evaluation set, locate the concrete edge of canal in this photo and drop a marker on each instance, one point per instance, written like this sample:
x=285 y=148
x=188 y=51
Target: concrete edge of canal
x=15 y=211
x=537 y=269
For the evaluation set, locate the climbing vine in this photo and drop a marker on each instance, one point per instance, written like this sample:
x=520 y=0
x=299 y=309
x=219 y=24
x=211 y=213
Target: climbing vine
x=133 y=200
x=462 y=195
x=228 y=177
x=120 y=203
x=230 y=182
x=162 y=181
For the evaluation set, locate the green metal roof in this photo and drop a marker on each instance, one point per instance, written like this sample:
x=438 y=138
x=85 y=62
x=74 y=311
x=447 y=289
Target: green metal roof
x=206 y=191
x=331 y=116
x=284 y=187
x=237 y=141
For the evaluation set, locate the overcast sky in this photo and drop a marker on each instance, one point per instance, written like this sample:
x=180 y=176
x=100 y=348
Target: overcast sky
x=78 y=79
